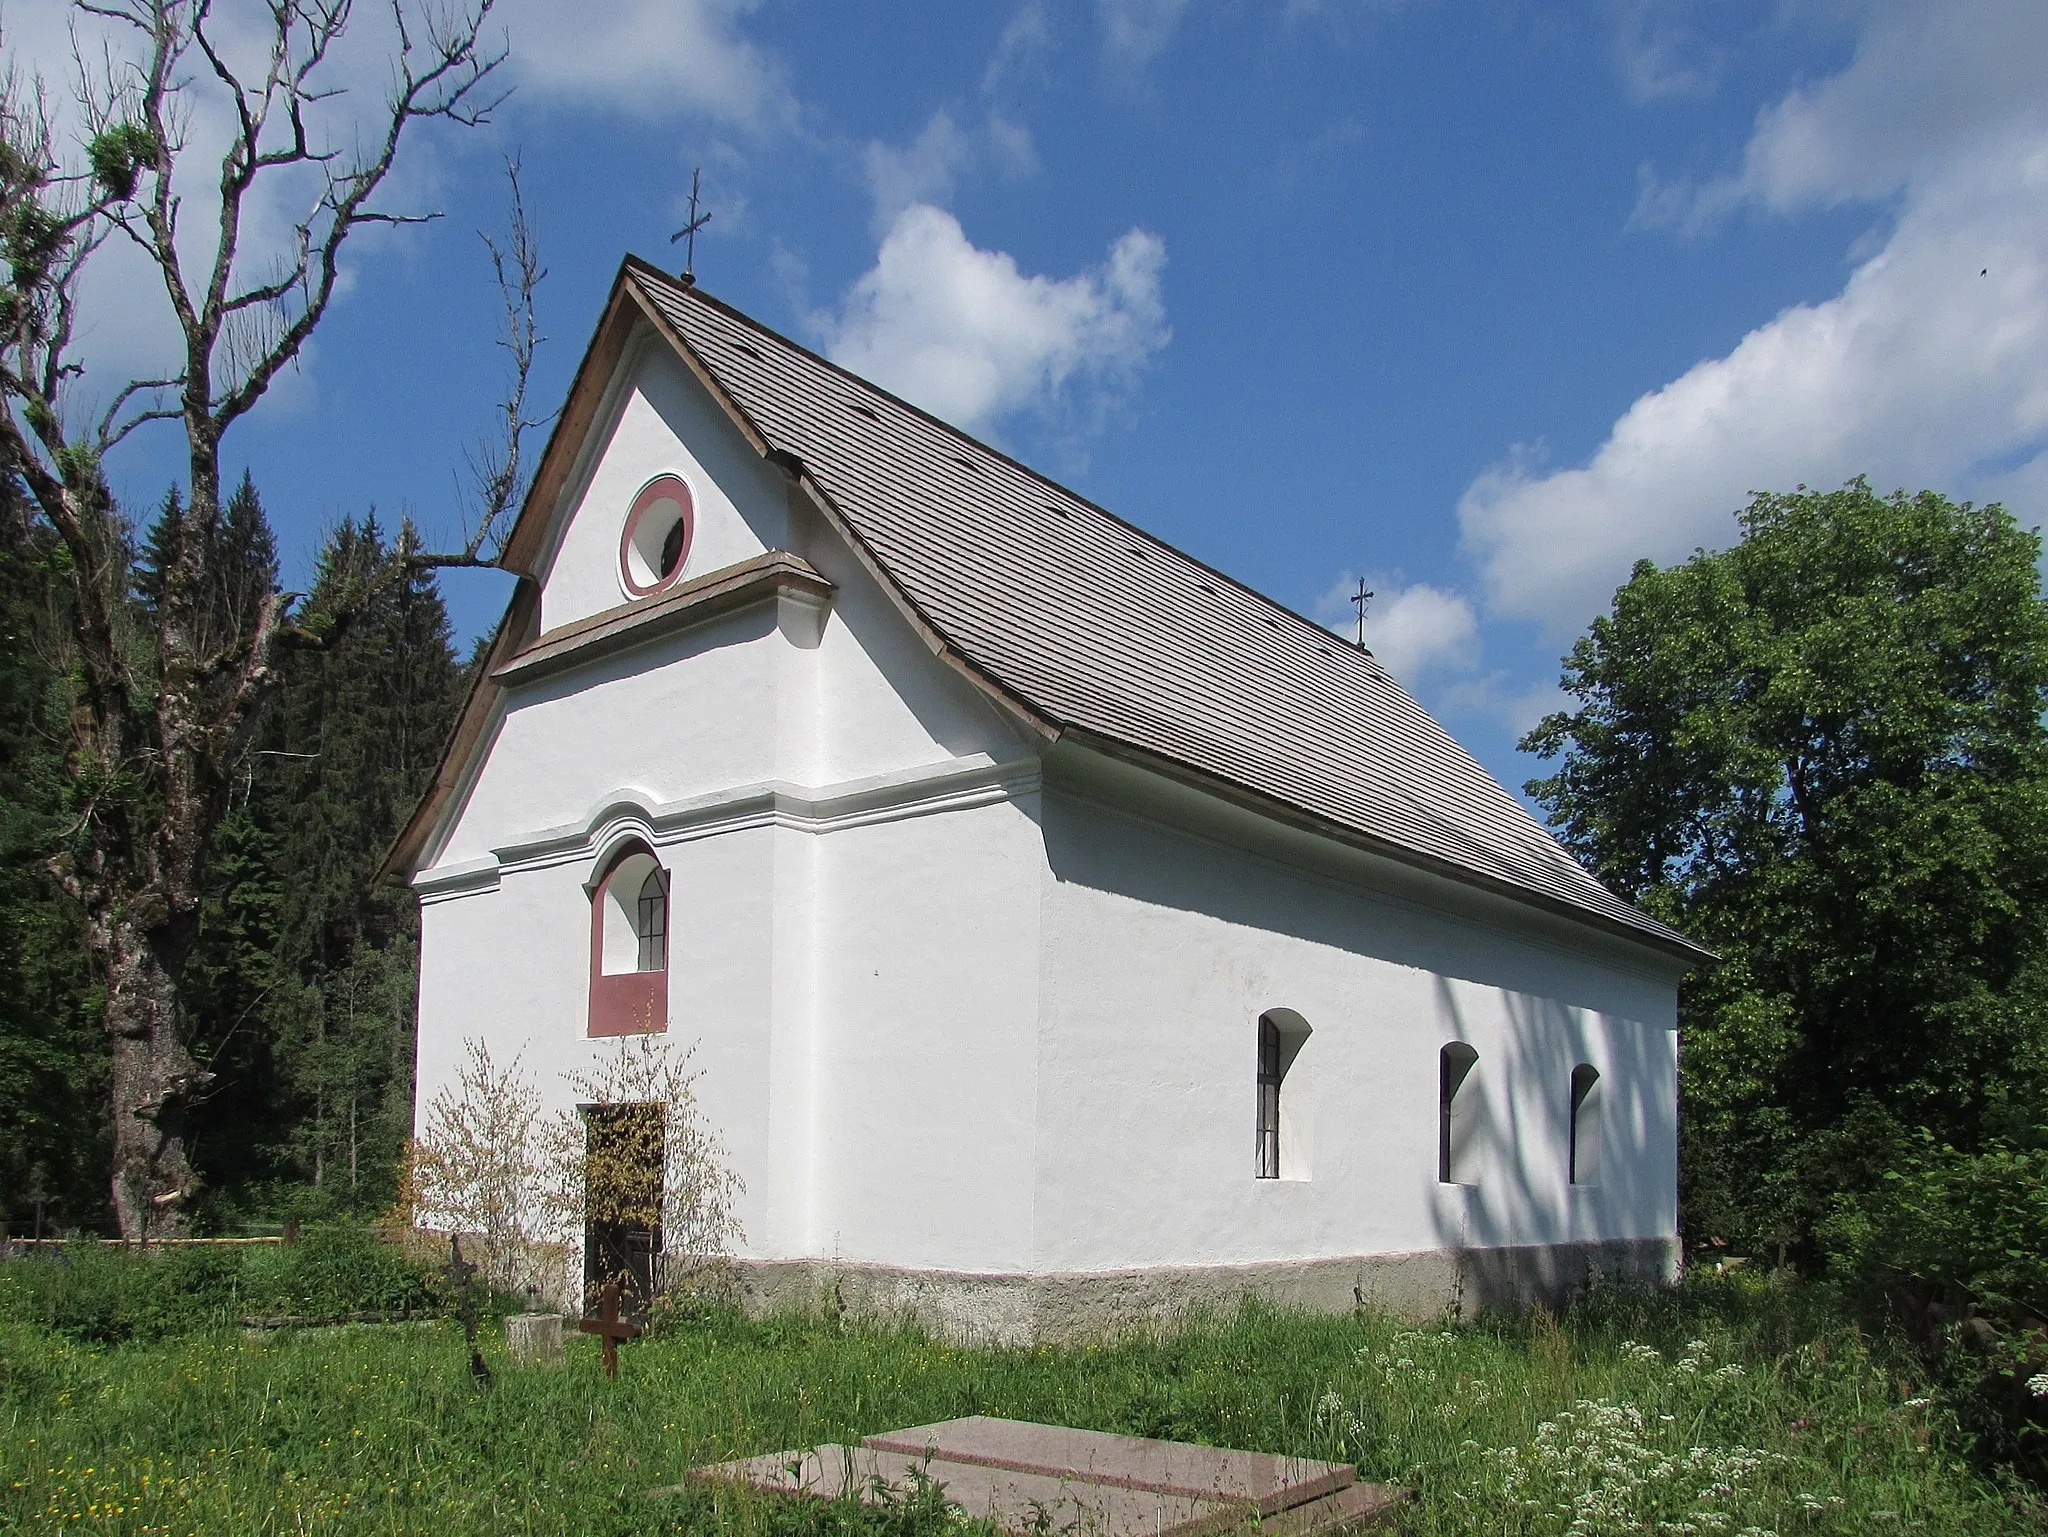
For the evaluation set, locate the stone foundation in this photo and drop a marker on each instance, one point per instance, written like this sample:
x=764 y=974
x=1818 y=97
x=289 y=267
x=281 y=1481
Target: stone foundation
x=1019 y=1309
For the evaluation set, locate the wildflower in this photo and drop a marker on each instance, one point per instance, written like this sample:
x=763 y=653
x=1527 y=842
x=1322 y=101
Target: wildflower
x=2038 y=1384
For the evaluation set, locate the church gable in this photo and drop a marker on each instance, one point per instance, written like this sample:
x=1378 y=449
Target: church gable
x=665 y=490
x=691 y=630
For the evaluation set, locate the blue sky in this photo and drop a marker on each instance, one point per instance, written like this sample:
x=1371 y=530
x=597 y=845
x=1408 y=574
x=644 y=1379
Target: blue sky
x=1482 y=301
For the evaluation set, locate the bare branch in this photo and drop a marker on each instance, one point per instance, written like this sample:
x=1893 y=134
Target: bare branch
x=444 y=79
x=498 y=467
x=107 y=437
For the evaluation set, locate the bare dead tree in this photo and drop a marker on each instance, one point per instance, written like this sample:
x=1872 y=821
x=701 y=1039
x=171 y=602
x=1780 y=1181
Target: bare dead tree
x=161 y=714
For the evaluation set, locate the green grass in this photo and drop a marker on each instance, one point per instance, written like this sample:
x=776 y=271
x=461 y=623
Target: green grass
x=1807 y=1428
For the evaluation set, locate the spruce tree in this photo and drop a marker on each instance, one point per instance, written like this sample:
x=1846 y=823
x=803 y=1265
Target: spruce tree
x=363 y=723
x=52 y=1051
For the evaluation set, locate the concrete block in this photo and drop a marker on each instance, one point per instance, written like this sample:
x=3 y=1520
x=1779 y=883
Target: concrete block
x=534 y=1339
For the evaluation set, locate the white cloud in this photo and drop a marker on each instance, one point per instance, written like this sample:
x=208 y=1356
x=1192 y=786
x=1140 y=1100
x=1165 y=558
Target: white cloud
x=1658 y=56
x=650 y=58
x=923 y=171
x=1920 y=372
x=1135 y=32
x=1931 y=80
x=1416 y=632
x=1011 y=146
x=965 y=334
x=1022 y=50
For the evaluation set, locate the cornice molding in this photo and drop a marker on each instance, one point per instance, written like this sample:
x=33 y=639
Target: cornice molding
x=959 y=784
x=765 y=578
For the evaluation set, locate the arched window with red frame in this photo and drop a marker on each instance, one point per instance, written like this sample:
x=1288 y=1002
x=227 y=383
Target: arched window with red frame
x=629 y=944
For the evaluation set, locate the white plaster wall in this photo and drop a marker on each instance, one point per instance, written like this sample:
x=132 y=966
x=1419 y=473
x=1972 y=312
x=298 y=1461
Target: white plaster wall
x=692 y=714
x=658 y=420
x=884 y=701
x=529 y=1001
x=1161 y=951
x=928 y=998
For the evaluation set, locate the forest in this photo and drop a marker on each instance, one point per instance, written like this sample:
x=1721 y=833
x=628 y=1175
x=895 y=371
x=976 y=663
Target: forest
x=299 y=987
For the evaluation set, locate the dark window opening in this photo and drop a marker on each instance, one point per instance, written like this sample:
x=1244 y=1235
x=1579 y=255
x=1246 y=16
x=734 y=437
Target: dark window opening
x=1585 y=1151
x=1457 y=1126
x=672 y=550
x=1269 y=1100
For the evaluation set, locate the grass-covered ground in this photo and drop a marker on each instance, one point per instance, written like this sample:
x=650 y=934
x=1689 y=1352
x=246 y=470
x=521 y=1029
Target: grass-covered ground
x=1725 y=1407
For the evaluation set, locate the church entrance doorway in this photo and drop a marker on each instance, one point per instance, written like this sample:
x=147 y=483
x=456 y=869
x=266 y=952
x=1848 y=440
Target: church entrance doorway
x=622 y=1190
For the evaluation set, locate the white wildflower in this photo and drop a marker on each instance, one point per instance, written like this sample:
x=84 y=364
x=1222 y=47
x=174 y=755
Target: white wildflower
x=2038 y=1384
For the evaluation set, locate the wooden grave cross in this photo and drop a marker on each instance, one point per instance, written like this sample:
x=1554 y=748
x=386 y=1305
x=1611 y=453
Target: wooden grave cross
x=610 y=1327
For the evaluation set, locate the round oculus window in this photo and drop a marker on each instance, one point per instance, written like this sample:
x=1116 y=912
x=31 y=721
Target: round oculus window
x=656 y=542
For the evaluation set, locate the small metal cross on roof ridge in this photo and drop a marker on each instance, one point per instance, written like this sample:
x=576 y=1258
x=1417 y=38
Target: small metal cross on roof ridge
x=689 y=231
x=1359 y=600
x=609 y=1327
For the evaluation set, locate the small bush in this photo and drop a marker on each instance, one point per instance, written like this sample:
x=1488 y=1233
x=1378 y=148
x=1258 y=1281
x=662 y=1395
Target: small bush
x=334 y=1268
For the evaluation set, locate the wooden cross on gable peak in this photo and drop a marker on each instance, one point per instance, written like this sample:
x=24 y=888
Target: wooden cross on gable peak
x=610 y=1327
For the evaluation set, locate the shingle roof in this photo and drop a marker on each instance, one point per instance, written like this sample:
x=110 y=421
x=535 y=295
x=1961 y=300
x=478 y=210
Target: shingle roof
x=1094 y=624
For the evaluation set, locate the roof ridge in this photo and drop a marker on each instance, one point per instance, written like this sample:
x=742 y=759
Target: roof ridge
x=1075 y=639
x=640 y=267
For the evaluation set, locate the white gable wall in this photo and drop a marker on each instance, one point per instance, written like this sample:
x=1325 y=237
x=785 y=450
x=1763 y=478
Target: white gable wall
x=823 y=926
x=658 y=420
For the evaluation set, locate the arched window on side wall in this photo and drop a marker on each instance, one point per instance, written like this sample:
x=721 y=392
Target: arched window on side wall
x=1269 y=1099
x=1458 y=1115
x=629 y=924
x=1282 y=1149
x=1586 y=1131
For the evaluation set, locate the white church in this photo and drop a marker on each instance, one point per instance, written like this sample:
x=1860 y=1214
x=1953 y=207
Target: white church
x=1067 y=933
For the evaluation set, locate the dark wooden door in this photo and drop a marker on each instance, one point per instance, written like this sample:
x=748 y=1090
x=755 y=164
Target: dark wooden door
x=622 y=1202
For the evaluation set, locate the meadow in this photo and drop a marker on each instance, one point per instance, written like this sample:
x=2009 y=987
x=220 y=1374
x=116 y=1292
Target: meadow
x=1733 y=1405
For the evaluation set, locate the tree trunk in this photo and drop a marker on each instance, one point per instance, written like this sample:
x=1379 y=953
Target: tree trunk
x=153 y=1080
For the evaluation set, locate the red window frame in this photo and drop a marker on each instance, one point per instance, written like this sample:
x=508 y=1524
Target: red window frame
x=674 y=487
x=626 y=1002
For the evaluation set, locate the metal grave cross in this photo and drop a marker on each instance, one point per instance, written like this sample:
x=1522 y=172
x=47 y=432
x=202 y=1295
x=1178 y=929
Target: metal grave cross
x=610 y=1327
x=688 y=232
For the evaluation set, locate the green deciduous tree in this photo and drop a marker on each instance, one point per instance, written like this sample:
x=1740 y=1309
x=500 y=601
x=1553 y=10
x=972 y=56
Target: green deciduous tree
x=1822 y=753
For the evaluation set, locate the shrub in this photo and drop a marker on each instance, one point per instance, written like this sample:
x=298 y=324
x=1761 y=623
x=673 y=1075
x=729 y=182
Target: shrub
x=1955 y=1245
x=102 y=1295
x=335 y=1268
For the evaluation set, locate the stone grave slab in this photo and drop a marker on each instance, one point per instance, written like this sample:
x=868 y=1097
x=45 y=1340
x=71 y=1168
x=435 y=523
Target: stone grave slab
x=1267 y=1482
x=1015 y=1501
x=1022 y=1476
